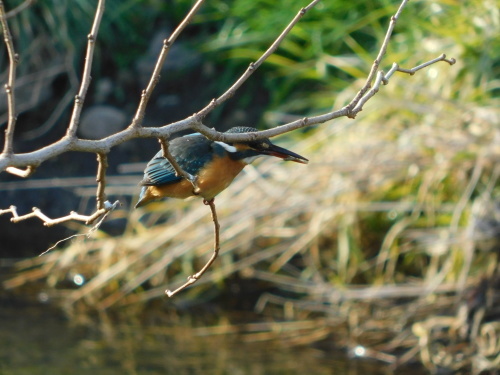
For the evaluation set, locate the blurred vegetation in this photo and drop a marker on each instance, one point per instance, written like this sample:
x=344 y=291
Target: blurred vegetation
x=388 y=239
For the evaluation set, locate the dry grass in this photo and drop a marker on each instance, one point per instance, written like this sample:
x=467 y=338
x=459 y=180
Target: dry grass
x=375 y=242
x=388 y=240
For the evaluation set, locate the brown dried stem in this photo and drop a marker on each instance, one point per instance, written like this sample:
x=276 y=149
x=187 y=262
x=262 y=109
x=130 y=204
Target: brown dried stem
x=194 y=278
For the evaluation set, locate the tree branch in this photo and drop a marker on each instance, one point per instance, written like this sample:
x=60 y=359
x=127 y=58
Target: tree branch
x=14 y=163
x=11 y=82
x=82 y=93
x=252 y=67
x=155 y=76
x=179 y=172
x=47 y=221
x=378 y=59
x=194 y=278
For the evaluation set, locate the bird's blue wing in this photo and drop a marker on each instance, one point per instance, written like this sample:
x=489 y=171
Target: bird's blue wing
x=191 y=152
x=159 y=171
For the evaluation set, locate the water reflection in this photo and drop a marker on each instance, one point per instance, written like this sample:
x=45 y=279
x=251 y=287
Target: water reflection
x=35 y=340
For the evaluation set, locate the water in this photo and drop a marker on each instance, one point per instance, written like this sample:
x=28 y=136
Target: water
x=37 y=340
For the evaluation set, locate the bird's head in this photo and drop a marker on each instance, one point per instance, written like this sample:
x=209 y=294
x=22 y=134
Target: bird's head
x=249 y=151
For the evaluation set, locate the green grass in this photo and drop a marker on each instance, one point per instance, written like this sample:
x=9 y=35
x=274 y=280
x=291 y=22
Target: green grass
x=377 y=234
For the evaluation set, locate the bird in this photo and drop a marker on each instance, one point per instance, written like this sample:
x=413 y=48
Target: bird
x=214 y=165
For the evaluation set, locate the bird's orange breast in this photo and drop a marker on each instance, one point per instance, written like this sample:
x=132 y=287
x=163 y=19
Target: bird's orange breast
x=213 y=178
x=218 y=175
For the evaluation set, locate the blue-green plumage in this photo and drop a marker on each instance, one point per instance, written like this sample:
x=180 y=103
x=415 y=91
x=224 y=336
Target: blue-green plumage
x=216 y=162
x=159 y=171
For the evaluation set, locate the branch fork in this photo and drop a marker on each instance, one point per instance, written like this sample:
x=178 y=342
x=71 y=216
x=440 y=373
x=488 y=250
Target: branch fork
x=23 y=165
x=47 y=221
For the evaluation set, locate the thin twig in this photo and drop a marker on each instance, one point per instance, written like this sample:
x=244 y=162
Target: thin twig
x=80 y=97
x=194 y=278
x=192 y=122
x=412 y=71
x=384 y=79
x=155 y=76
x=102 y=161
x=314 y=120
x=378 y=59
x=24 y=5
x=254 y=65
x=91 y=230
x=13 y=163
x=179 y=172
x=47 y=221
x=11 y=82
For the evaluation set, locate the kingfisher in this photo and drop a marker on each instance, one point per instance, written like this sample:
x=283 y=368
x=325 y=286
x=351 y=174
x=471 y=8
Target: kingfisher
x=214 y=164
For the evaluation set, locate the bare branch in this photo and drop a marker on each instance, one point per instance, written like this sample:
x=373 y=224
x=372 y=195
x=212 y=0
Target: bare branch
x=155 y=77
x=13 y=163
x=179 y=172
x=102 y=161
x=314 y=120
x=378 y=60
x=194 y=278
x=82 y=93
x=24 y=5
x=192 y=122
x=47 y=221
x=412 y=71
x=11 y=82
x=254 y=65
x=91 y=230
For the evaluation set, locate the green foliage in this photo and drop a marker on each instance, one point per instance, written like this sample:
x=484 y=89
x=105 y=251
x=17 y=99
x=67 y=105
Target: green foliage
x=389 y=200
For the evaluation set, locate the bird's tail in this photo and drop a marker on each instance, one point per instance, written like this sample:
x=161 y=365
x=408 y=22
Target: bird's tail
x=144 y=197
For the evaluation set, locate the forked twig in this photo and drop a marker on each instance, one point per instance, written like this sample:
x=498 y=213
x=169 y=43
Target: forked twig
x=14 y=163
x=155 y=76
x=193 y=122
x=91 y=230
x=383 y=78
x=194 y=278
x=254 y=65
x=47 y=221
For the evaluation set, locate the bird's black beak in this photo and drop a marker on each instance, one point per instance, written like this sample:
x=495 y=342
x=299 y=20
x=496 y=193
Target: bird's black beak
x=284 y=154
